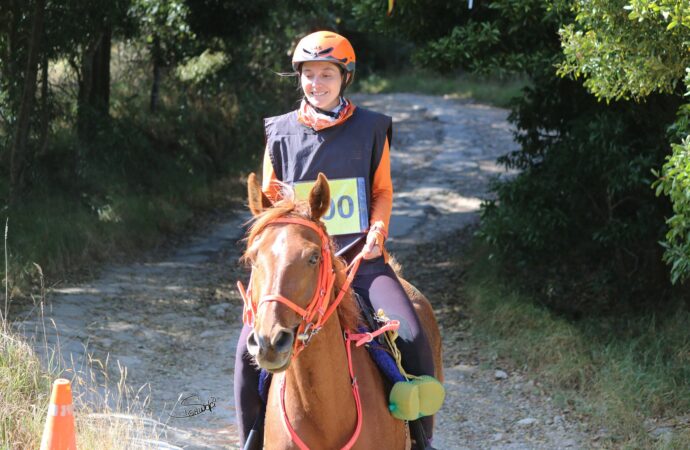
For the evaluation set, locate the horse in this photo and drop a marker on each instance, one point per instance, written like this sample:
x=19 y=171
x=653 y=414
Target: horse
x=325 y=392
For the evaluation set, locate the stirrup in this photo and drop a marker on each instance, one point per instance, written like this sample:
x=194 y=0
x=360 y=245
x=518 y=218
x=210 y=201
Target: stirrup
x=410 y=400
x=254 y=440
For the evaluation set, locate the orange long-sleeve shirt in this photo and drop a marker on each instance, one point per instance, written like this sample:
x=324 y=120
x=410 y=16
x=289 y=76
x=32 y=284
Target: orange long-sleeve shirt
x=381 y=189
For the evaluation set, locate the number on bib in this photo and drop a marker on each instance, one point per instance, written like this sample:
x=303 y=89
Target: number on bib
x=349 y=212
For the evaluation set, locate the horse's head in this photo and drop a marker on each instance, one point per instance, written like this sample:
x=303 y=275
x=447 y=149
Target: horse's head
x=292 y=273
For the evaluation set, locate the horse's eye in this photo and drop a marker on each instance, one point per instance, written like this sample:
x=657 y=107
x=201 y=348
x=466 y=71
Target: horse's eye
x=314 y=259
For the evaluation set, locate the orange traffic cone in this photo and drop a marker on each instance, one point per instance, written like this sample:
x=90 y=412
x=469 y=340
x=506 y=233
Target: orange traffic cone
x=58 y=433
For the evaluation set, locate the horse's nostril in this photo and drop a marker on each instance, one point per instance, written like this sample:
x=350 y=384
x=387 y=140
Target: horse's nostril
x=283 y=341
x=252 y=344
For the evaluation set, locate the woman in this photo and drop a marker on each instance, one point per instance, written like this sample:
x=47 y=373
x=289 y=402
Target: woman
x=350 y=145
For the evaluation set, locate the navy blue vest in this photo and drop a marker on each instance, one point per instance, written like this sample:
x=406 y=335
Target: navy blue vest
x=348 y=150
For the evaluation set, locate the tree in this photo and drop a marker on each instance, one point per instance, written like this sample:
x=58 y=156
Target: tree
x=632 y=50
x=20 y=143
x=164 y=26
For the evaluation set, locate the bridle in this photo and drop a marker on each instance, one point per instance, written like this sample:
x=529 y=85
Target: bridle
x=317 y=312
x=313 y=318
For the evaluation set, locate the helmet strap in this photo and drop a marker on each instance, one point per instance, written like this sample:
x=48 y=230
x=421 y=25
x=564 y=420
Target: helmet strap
x=344 y=83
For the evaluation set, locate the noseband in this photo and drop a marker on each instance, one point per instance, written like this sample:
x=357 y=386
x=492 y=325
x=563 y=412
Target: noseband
x=318 y=310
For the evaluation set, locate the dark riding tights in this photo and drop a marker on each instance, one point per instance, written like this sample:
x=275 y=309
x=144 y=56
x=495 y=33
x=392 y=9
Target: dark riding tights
x=377 y=283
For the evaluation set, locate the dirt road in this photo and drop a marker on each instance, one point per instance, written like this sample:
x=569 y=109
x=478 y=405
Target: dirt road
x=173 y=320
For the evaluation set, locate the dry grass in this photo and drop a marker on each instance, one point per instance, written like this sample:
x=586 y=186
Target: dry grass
x=109 y=414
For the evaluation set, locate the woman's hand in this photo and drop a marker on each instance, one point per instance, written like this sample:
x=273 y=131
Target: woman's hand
x=374 y=246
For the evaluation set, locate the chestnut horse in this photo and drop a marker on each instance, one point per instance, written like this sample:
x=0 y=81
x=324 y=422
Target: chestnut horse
x=313 y=401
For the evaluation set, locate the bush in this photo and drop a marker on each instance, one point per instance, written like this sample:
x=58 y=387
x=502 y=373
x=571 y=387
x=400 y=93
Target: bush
x=579 y=224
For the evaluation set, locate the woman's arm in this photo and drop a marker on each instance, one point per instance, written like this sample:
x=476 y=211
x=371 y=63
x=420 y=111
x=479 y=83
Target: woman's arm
x=381 y=202
x=269 y=181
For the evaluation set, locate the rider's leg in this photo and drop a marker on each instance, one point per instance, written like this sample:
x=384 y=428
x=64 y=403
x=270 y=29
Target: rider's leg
x=247 y=398
x=377 y=283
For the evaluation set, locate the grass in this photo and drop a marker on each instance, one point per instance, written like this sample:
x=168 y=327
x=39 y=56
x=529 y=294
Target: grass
x=628 y=375
x=490 y=90
x=24 y=389
x=108 y=413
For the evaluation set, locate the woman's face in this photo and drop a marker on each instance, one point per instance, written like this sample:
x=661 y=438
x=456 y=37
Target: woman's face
x=321 y=82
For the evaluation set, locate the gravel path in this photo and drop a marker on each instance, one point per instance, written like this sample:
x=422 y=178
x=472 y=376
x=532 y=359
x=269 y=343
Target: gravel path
x=174 y=319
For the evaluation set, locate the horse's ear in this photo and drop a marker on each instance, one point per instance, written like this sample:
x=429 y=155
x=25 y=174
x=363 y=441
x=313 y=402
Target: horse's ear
x=319 y=197
x=258 y=201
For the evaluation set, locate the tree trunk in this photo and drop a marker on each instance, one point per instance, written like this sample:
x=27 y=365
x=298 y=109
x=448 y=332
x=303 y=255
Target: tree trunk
x=19 y=156
x=155 y=85
x=100 y=99
x=45 y=113
x=94 y=86
x=84 y=112
x=13 y=77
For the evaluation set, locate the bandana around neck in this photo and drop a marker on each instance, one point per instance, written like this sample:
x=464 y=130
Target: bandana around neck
x=310 y=116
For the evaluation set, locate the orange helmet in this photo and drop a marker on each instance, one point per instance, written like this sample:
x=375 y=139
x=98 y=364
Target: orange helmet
x=326 y=46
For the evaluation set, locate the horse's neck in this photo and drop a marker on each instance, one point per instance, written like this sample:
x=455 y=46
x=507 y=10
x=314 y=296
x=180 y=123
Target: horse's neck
x=318 y=379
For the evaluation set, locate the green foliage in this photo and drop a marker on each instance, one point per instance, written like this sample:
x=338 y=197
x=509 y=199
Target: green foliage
x=417 y=20
x=675 y=183
x=631 y=50
x=624 y=54
x=673 y=12
x=494 y=38
x=164 y=26
x=489 y=38
x=582 y=202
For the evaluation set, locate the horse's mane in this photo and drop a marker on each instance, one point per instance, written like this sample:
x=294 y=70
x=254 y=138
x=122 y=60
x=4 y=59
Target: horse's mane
x=288 y=206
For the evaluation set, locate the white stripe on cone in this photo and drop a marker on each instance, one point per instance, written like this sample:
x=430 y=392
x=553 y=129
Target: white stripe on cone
x=60 y=410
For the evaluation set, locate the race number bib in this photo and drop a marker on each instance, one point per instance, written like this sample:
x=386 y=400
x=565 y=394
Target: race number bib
x=349 y=212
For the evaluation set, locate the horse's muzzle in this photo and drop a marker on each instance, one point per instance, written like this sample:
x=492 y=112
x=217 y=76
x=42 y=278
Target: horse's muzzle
x=272 y=352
